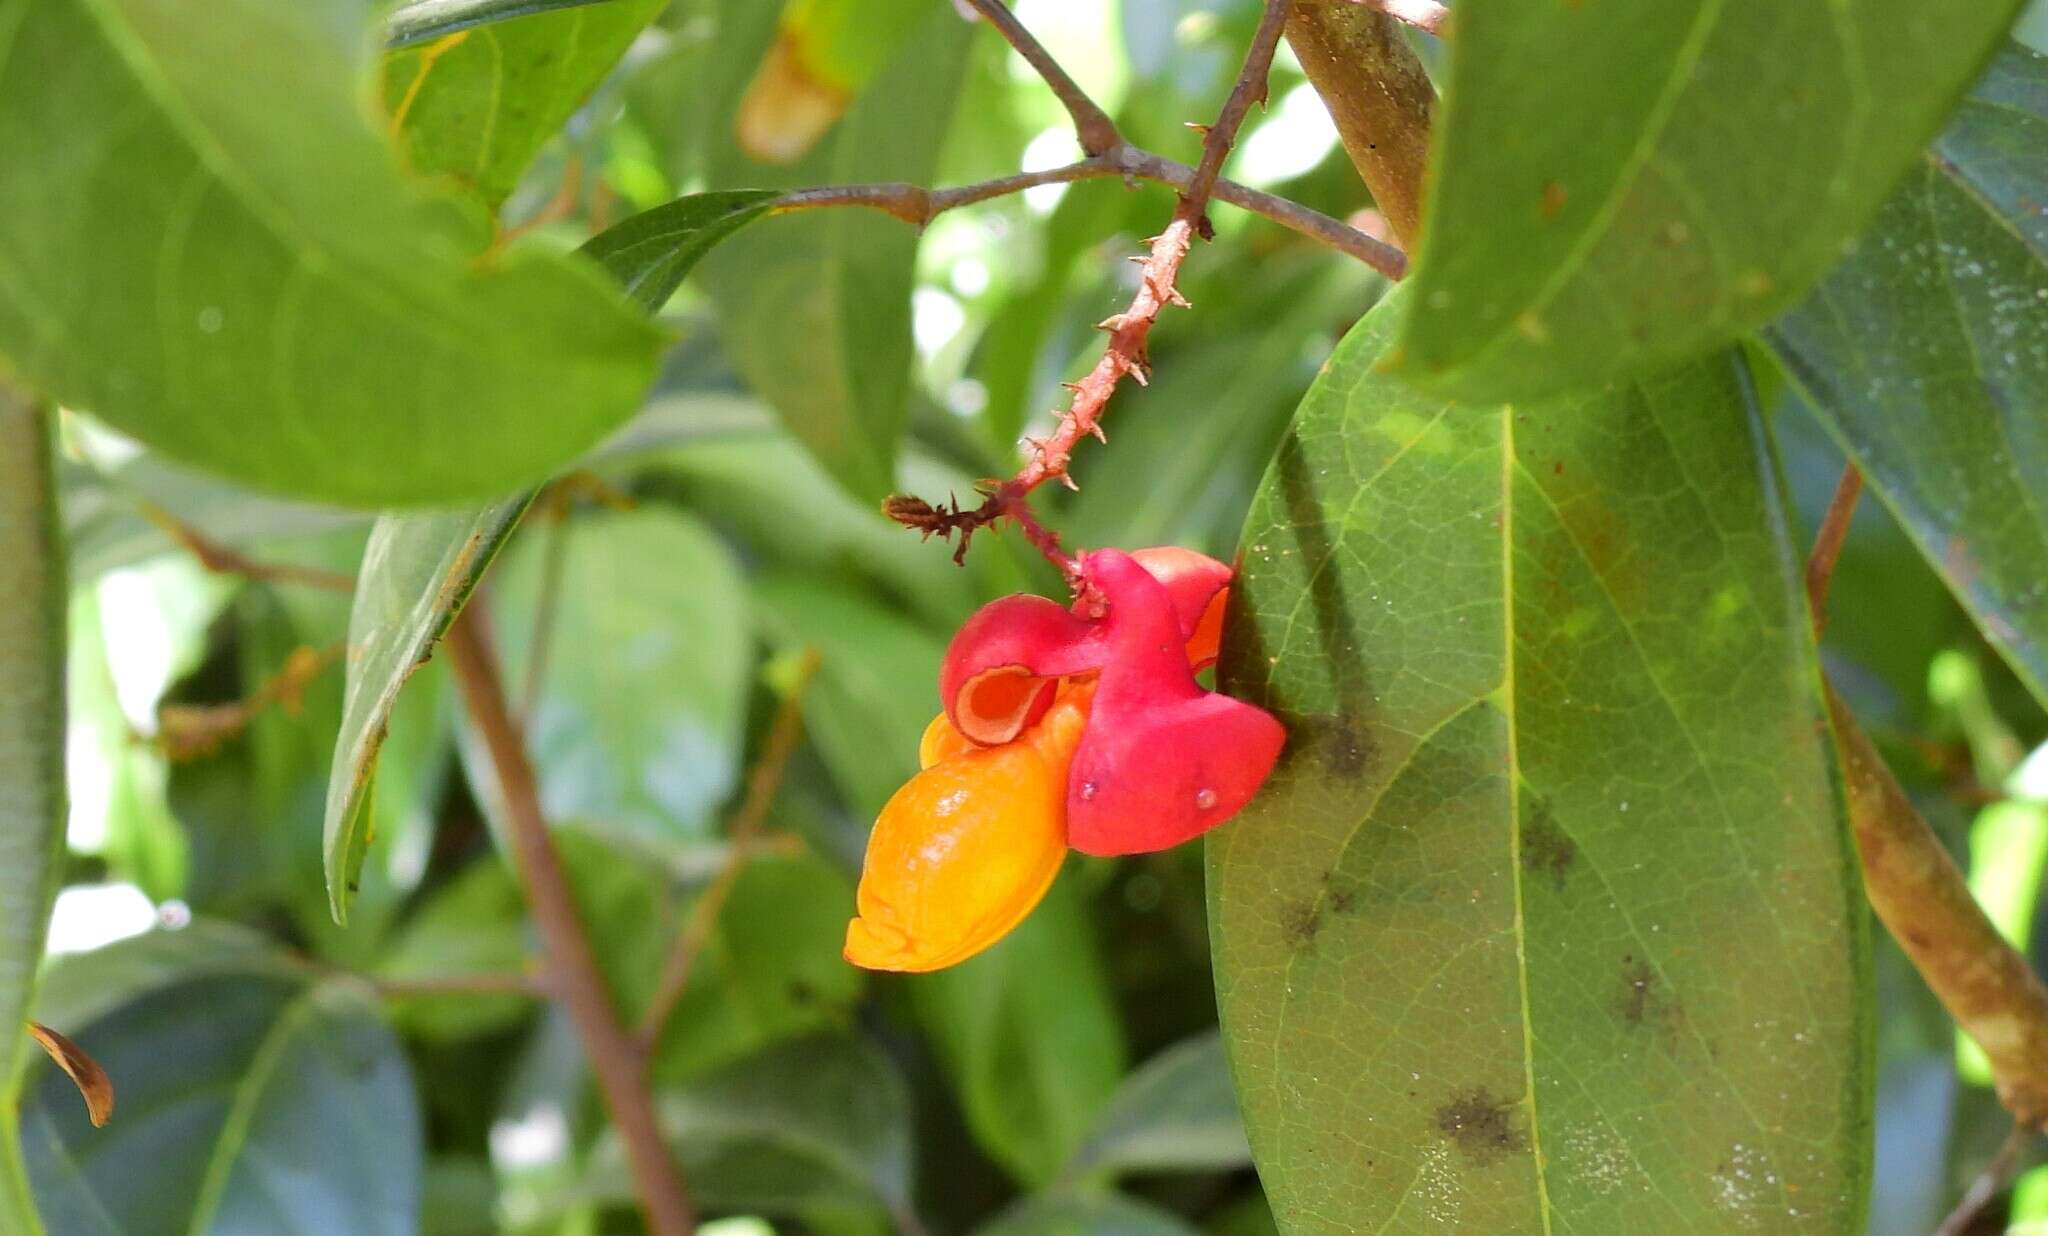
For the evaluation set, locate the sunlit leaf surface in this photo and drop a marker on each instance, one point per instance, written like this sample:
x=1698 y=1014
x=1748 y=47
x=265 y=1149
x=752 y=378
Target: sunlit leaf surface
x=219 y=255
x=1505 y=945
x=1927 y=353
x=1692 y=174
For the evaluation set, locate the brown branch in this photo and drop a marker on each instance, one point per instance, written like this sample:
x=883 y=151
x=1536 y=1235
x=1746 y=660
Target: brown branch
x=1128 y=333
x=1924 y=901
x=1425 y=15
x=1996 y=1177
x=1986 y=985
x=572 y=970
x=1378 y=95
x=190 y=731
x=222 y=560
x=919 y=206
x=762 y=783
x=1096 y=131
x=1827 y=544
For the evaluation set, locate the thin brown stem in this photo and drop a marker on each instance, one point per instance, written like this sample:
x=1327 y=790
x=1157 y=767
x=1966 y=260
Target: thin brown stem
x=919 y=206
x=1827 y=544
x=223 y=560
x=1096 y=131
x=762 y=784
x=1996 y=1177
x=189 y=731
x=1425 y=15
x=571 y=967
x=1359 y=61
x=1128 y=333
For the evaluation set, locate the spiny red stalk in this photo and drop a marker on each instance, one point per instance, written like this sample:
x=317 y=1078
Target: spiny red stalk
x=1128 y=333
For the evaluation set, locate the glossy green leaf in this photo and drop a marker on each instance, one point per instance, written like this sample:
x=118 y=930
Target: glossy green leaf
x=1504 y=943
x=417 y=572
x=250 y=1101
x=31 y=748
x=1694 y=172
x=653 y=252
x=217 y=254
x=815 y=309
x=475 y=105
x=1065 y=1214
x=822 y=1121
x=1926 y=352
x=876 y=689
x=1175 y=1114
x=1029 y=1036
x=635 y=724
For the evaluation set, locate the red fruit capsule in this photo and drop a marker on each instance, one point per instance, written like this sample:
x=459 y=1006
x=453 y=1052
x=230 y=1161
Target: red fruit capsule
x=1162 y=760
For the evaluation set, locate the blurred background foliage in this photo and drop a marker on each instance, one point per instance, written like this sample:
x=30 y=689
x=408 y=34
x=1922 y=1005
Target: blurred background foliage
x=651 y=615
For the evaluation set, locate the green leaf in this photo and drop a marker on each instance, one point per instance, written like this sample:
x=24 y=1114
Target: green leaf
x=1504 y=943
x=209 y=248
x=474 y=106
x=817 y=1122
x=742 y=480
x=1696 y=170
x=876 y=688
x=1174 y=1114
x=473 y=925
x=1029 y=1036
x=815 y=311
x=106 y=527
x=250 y=1100
x=31 y=749
x=1926 y=352
x=768 y=970
x=423 y=20
x=417 y=572
x=84 y=987
x=654 y=251
x=1066 y=1214
x=635 y=724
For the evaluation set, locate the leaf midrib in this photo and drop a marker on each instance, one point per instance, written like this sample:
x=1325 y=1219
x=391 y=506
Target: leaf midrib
x=1506 y=693
x=249 y=1092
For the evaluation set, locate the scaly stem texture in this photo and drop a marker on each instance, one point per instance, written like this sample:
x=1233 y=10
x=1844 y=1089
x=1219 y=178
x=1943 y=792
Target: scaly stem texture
x=31 y=751
x=572 y=972
x=1359 y=61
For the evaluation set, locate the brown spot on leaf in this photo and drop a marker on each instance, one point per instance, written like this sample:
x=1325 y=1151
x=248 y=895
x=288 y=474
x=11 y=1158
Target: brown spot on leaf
x=1545 y=846
x=1480 y=1125
x=1553 y=198
x=1644 y=998
x=1300 y=922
